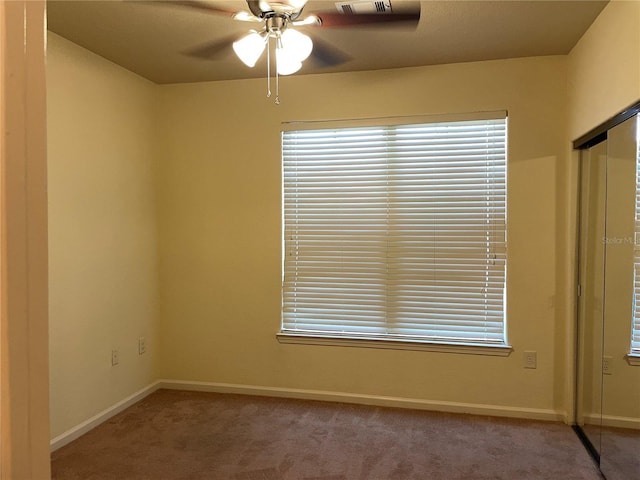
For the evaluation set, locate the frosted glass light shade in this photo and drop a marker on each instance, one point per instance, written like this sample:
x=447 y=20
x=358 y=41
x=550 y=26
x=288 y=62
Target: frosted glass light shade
x=250 y=48
x=296 y=45
x=286 y=64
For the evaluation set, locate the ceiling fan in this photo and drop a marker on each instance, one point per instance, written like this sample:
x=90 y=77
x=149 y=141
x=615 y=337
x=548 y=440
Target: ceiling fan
x=276 y=28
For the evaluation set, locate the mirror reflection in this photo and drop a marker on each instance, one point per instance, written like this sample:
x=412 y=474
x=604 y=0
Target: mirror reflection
x=608 y=390
x=591 y=299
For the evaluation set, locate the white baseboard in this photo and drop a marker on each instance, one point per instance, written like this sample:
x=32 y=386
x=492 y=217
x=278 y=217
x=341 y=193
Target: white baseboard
x=322 y=395
x=382 y=401
x=79 y=430
x=613 y=421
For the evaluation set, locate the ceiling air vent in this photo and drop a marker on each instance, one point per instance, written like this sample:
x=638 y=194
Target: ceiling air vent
x=364 y=7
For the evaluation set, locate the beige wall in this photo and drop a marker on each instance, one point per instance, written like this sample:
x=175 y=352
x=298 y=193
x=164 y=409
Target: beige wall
x=218 y=203
x=102 y=232
x=604 y=67
x=603 y=79
x=220 y=232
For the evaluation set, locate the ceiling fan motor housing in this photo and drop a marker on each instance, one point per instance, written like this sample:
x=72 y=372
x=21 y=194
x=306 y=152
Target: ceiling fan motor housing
x=276 y=23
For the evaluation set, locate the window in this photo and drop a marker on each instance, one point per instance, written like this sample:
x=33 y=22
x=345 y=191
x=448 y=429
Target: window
x=635 y=325
x=396 y=232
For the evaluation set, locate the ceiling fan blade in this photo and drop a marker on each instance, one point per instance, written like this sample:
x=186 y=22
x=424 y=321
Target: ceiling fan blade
x=194 y=4
x=212 y=50
x=326 y=55
x=406 y=18
x=254 y=7
x=293 y=8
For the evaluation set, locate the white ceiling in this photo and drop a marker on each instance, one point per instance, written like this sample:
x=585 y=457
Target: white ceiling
x=151 y=38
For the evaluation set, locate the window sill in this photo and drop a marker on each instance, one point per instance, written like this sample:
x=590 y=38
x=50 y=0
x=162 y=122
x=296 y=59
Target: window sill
x=633 y=359
x=343 y=341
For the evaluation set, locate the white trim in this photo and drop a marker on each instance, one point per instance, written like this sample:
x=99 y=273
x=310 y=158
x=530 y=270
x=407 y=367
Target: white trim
x=633 y=359
x=397 y=120
x=613 y=421
x=392 y=344
x=321 y=395
x=621 y=422
x=79 y=430
x=377 y=400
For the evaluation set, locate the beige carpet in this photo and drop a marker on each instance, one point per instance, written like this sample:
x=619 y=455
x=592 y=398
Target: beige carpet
x=620 y=453
x=188 y=435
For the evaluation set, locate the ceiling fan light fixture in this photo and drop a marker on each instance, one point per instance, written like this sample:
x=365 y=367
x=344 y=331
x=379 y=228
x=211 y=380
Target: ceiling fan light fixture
x=250 y=48
x=286 y=64
x=296 y=45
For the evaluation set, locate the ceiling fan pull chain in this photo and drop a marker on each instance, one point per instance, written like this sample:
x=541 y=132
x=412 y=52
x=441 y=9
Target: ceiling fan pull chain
x=268 y=68
x=277 y=84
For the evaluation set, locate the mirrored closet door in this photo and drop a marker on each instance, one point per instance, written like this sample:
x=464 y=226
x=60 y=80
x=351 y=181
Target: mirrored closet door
x=608 y=387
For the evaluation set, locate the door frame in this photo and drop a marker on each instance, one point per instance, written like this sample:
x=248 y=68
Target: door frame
x=24 y=363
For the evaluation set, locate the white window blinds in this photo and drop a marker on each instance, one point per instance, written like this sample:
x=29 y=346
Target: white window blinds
x=635 y=331
x=396 y=232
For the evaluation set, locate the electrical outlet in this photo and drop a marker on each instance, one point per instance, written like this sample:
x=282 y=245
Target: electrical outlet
x=606 y=365
x=142 y=345
x=114 y=357
x=531 y=359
